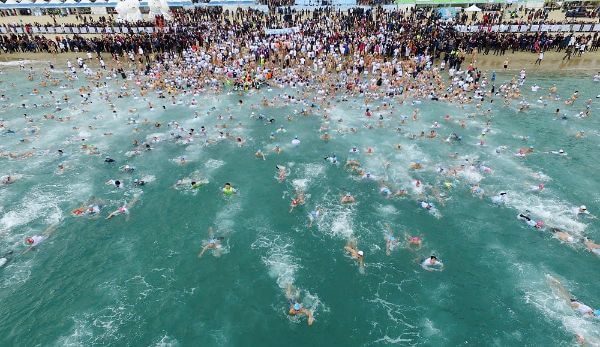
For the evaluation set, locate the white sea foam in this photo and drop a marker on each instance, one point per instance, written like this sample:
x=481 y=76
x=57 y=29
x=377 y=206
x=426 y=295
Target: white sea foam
x=278 y=257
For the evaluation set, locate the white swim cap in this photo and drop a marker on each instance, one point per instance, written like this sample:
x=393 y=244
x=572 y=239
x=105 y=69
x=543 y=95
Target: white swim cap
x=361 y=253
x=560 y=151
x=582 y=207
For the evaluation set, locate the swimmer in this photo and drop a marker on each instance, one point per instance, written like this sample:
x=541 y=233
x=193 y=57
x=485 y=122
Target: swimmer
x=228 y=189
x=259 y=154
x=355 y=253
x=115 y=183
x=575 y=304
x=592 y=246
x=332 y=159
x=124 y=209
x=432 y=264
x=298 y=200
x=296 y=307
x=313 y=216
x=93 y=209
x=109 y=160
x=500 y=199
x=295 y=141
x=127 y=168
x=532 y=223
x=390 y=240
x=33 y=241
x=582 y=210
x=6 y=180
x=559 y=152
x=196 y=185
x=537 y=188
x=352 y=164
x=138 y=182
x=385 y=192
x=415 y=166
x=430 y=208
x=282 y=173
x=211 y=243
x=347 y=199
x=415 y=241
x=477 y=191
x=563 y=236
x=369 y=177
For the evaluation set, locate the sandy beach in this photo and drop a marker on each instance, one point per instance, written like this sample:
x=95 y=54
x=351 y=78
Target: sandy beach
x=588 y=63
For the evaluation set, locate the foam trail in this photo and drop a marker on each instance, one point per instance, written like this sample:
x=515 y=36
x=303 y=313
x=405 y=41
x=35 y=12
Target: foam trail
x=554 y=213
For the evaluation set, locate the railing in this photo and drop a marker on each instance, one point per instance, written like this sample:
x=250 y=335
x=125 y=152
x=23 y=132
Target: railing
x=124 y=29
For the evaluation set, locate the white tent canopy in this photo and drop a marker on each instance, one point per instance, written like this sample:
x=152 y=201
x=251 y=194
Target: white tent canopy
x=472 y=8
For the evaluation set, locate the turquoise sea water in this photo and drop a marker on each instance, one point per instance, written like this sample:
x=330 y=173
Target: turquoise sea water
x=136 y=280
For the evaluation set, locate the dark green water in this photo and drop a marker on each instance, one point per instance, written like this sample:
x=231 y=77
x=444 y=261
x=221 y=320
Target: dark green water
x=137 y=280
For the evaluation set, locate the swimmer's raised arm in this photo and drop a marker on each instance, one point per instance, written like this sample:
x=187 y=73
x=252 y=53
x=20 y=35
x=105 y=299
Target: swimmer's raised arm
x=203 y=250
x=50 y=229
x=309 y=315
x=562 y=291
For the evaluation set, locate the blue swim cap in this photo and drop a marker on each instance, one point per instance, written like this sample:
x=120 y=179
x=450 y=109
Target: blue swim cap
x=597 y=312
x=297 y=306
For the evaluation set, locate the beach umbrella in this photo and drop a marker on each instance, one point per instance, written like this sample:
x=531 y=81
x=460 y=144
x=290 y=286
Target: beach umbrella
x=472 y=8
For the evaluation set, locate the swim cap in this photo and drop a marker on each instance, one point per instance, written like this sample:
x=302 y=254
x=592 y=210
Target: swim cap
x=597 y=312
x=29 y=240
x=297 y=306
x=582 y=207
x=361 y=253
x=561 y=151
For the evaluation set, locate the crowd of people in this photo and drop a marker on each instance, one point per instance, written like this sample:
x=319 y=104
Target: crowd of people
x=389 y=34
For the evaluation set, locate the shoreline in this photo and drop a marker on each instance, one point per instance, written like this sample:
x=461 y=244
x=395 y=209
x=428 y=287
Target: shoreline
x=588 y=63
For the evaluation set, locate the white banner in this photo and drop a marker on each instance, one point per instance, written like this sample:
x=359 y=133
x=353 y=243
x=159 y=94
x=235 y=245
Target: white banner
x=282 y=31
